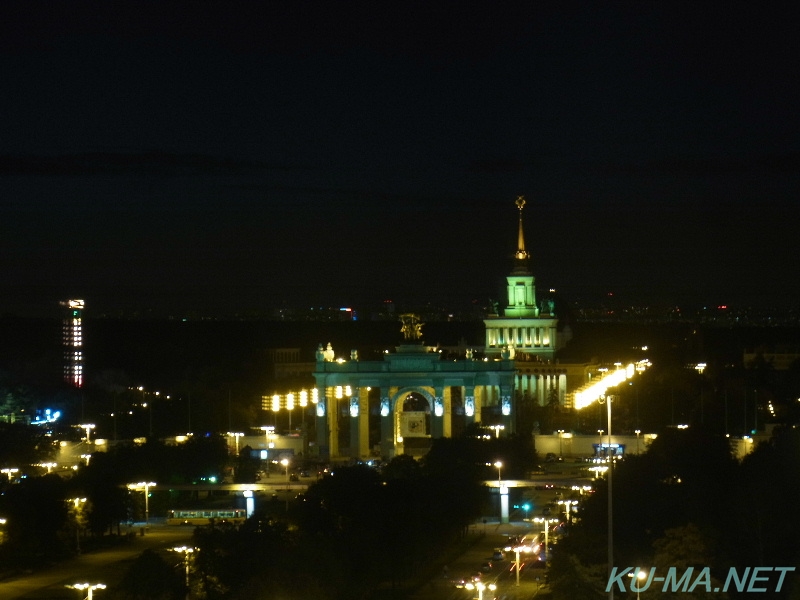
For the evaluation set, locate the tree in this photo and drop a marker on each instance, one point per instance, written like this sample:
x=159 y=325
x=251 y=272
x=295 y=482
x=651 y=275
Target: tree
x=680 y=549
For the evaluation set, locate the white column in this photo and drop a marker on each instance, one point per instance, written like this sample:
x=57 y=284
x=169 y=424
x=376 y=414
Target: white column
x=503 y=504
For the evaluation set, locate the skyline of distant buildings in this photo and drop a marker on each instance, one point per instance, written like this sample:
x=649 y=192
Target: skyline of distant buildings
x=745 y=315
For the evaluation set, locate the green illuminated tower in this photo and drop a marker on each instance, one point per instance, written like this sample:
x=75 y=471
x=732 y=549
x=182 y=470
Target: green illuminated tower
x=523 y=326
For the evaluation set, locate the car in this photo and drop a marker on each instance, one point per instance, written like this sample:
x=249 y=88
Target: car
x=486 y=567
x=498 y=555
x=462 y=582
x=294 y=477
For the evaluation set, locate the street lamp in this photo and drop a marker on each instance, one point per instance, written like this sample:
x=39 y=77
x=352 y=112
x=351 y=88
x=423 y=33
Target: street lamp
x=91 y=587
x=639 y=575
x=88 y=428
x=546 y=523
x=268 y=430
x=597 y=392
x=567 y=505
x=285 y=463
x=480 y=586
x=500 y=495
x=236 y=435
x=144 y=485
x=77 y=504
x=517 y=549
x=560 y=444
x=637 y=432
x=186 y=550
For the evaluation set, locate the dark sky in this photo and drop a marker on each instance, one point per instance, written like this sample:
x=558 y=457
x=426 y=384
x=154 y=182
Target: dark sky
x=243 y=155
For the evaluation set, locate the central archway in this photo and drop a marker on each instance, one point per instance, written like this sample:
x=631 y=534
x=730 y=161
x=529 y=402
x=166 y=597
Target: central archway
x=414 y=419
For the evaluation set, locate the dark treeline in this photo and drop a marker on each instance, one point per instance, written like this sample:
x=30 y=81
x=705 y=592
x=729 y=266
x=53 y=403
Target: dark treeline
x=688 y=503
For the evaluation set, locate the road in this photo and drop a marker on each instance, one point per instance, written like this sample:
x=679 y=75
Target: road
x=103 y=566
x=501 y=573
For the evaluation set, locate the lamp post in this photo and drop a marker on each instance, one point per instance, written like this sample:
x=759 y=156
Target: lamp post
x=517 y=550
x=236 y=435
x=88 y=428
x=637 y=432
x=285 y=463
x=568 y=504
x=560 y=443
x=639 y=574
x=546 y=523
x=600 y=447
x=610 y=472
x=499 y=466
x=268 y=430
x=144 y=485
x=91 y=587
x=186 y=550
x=480 y=586
x=77 y=504
x=700 y=368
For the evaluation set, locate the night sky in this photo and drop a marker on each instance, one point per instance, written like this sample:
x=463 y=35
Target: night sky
x=236 y=156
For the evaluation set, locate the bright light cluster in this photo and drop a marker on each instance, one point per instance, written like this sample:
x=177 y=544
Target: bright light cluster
x=290 y=400
x=596 y=390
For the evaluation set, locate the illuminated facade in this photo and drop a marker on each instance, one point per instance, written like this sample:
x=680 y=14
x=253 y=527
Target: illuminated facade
x=525 y=326
x=72 y=338
x=413 y=394
x=527 y=332
x=397 y=405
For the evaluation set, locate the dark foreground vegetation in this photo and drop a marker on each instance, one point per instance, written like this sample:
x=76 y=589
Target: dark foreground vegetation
x=688 y=503
x=357 y=532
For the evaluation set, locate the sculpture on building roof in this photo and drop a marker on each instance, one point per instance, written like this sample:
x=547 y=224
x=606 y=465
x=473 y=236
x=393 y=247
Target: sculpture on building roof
x=412 y=326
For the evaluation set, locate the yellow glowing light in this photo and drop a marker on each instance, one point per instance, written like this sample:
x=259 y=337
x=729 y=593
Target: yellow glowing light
x=596 y=390
x=290 y=401
x=303 y=398
x=338 y=392
x=276 y=403
x=314 y=396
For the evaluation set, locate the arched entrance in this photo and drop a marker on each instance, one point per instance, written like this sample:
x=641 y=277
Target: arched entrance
x=414 y=422
x=407 y=399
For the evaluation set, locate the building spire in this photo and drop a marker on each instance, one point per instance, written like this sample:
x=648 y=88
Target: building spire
x=521 y=254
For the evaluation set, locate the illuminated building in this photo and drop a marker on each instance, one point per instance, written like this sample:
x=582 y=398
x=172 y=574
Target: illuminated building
x=526 y=331
x=525 y=326
x=72 y=337
x=407 y=399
